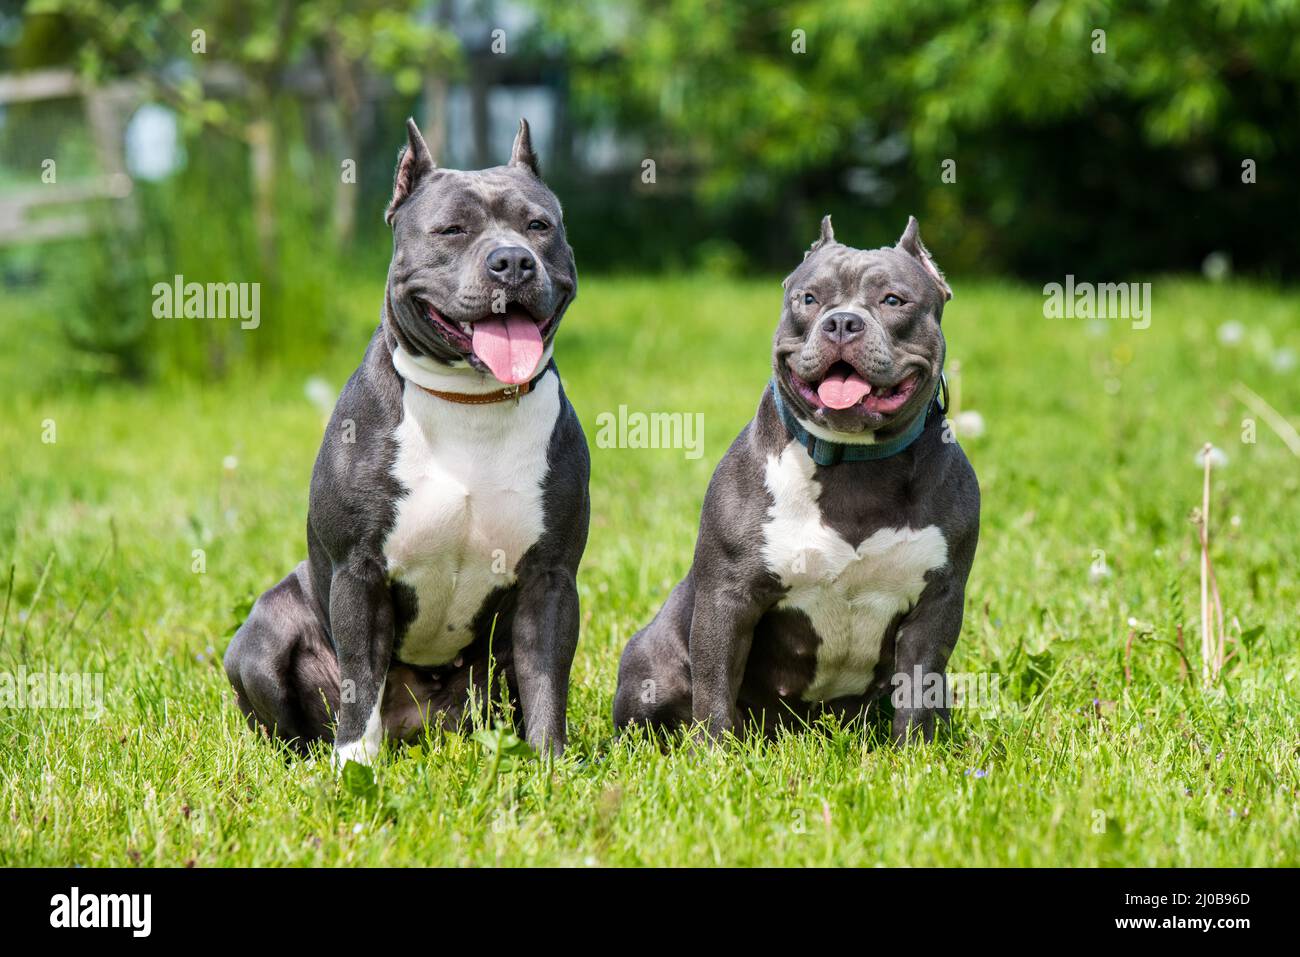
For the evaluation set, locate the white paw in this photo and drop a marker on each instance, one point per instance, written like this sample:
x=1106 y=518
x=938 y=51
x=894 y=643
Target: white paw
x=360 y=751
x=365 y=749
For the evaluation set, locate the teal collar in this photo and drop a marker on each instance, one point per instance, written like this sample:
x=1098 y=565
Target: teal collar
x=824 y=452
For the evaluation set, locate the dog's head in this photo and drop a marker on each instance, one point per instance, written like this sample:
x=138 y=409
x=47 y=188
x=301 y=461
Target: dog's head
x=859 y=348
x=481 y=271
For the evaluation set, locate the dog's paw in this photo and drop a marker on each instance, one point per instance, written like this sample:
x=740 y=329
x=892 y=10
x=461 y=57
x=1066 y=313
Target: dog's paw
x=361 y=751
x=913 y=726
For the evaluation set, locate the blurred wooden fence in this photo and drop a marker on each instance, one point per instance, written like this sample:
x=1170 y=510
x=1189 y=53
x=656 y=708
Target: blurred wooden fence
x=50 y=210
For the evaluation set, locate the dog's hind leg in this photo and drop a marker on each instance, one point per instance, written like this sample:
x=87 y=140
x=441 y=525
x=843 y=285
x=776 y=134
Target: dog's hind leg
x=283 y=667
x=654 y=674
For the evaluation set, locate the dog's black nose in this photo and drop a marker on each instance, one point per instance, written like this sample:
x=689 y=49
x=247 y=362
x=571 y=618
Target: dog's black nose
x=842 y=326
x=511 y=264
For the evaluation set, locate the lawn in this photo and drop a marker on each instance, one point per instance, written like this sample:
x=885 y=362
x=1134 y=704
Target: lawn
x=1087 y=468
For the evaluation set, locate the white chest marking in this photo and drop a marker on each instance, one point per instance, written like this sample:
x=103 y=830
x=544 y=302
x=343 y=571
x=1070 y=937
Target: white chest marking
x=474 y=477
x=849 y=594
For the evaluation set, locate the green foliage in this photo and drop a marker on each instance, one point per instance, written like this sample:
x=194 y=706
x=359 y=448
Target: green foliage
x=724 y=80
x=501 y=741
x=1004 y=125
x=197 y=225
x=1055 y=142
x=358 y=780
x=390 y=38
x=250 y=205
x=105 y=314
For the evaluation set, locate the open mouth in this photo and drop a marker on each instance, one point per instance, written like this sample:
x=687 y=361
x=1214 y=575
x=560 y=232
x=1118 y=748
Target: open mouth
x=509 y=344
x=843 y=388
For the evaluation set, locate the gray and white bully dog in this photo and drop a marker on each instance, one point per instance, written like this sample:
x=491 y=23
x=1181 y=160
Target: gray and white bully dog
x=449 y=506
x=838 y=530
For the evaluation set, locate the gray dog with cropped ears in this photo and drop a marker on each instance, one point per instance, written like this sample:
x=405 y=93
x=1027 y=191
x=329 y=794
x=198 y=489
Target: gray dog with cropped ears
x=838 y=530
x=449 y=506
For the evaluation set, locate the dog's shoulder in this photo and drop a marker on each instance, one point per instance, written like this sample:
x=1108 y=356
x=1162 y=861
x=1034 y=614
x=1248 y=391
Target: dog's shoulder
x=352 y=485
x=947 y=484
x=736 y=505
x=944 y=465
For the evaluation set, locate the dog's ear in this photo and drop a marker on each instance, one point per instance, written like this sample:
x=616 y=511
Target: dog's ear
x=825 y=239
x=521 y=154
x=413 y=163
x=910 y=243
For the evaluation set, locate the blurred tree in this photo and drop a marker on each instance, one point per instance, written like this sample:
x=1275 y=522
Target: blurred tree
x=357 y=40
x=1056 y=114
x=227 y=64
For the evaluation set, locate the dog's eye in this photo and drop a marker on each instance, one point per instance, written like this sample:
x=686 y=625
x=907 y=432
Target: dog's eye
x=809 y=299
x=451 y=231
x=539 y=225
x=892 y=300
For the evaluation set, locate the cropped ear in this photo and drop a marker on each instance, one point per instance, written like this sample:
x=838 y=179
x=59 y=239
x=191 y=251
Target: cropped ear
x=413 y=163
x=910 y=243
x=825 y=239
x=521 y=154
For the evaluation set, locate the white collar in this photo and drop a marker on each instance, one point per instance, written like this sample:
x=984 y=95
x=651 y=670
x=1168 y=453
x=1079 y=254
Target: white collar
x=461 y=377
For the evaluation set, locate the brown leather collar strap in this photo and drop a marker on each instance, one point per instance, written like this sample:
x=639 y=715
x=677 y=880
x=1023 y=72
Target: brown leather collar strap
x=487 y=398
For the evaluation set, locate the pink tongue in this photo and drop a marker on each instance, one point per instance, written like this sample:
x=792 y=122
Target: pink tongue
x=839 y=391
x=509 y=345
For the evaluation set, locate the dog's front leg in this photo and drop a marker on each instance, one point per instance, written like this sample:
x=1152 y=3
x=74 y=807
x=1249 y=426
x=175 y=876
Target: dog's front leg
x=923 y=643
x=722 y=630
x=361 y=621
x=545 y=638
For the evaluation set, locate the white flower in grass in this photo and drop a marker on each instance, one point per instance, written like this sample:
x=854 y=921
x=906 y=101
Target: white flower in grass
x=320 y=394
x=230 y=463
x=1284 y=359
x=969 y=424
x=1218 y=458
x=1231 y=333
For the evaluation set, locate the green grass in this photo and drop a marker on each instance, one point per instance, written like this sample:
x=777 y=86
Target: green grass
x=1091 y=433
